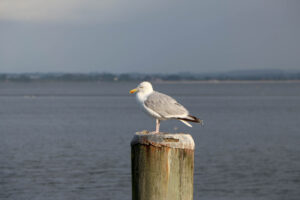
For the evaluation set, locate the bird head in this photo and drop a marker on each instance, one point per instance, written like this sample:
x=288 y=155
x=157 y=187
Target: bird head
x=144 y=87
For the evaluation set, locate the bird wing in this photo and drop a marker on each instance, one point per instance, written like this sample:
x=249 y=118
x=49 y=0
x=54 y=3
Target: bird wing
x=165 y=105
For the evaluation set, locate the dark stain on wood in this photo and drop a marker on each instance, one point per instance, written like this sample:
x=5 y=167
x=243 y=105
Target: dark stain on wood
x=171 y=140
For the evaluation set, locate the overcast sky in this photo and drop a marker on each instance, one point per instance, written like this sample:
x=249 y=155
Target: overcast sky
x=148 y=36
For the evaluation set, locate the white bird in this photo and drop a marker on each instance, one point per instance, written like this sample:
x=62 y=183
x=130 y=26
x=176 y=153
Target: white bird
x=161 y=106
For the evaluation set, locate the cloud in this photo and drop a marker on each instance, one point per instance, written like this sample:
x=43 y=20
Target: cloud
x=147 y=36
x=72 y=10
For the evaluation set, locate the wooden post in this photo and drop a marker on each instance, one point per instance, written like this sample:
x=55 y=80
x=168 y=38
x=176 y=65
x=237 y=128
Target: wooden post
x=162 y=166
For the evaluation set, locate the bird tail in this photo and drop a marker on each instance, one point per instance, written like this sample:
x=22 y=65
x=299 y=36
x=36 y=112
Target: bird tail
x=186 y=123
x=190 y=118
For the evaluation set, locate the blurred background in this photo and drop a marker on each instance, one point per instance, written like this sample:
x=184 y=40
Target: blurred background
x=66 y=118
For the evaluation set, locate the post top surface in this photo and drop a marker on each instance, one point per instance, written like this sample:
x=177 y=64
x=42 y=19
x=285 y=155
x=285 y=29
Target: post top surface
x=172 y=140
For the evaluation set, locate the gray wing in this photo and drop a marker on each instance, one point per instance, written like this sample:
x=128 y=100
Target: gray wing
x=165 y=105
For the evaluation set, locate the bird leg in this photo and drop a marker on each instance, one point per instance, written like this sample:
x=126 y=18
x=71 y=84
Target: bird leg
x=157 y=125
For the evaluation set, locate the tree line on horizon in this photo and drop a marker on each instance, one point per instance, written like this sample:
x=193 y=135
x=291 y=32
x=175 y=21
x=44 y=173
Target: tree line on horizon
x=110 y=77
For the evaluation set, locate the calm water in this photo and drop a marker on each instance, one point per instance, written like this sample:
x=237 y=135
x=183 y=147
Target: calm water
x=71 y=140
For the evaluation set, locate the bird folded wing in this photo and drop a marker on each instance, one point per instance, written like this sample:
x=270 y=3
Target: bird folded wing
x=165 y=105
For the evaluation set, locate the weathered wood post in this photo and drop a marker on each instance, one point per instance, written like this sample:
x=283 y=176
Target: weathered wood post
x=162 y=166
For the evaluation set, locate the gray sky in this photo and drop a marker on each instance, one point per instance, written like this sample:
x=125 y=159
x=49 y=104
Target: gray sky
x=148 y=36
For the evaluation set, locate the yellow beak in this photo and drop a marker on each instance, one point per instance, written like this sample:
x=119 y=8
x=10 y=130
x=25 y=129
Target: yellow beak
x=132 y=91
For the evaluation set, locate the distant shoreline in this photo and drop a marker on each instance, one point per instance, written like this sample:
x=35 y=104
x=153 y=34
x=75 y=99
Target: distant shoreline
x=229 y=81
x=271 y=76
x=158 y=81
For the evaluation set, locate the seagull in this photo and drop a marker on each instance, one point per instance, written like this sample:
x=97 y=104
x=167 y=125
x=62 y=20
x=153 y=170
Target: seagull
x=161 y=106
